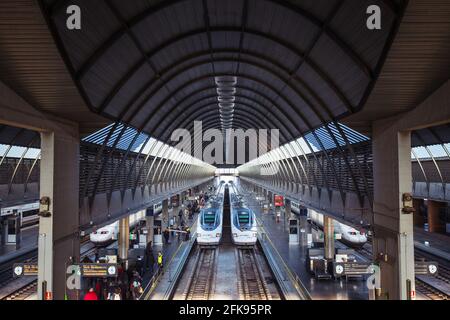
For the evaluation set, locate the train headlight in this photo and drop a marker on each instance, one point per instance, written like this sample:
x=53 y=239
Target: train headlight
x=235 y=235
x=218 y=235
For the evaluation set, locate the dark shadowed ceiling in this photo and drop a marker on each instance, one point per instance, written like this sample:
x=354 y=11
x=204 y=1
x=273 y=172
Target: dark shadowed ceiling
x=152 y=64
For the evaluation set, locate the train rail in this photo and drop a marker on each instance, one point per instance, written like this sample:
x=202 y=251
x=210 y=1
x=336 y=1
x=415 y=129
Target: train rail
x=30 y=287
x=200 y=286
x=6 y=275
x=252 y=285
x=422 y=287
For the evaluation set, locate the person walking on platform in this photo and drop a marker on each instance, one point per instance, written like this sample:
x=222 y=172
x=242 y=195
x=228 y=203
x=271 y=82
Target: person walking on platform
x=166 y=235
x=136 y=286
x=188 y=234
x=117 y=295
x=149 y=257
x=160 y=261
x=90 y=295
x=180 y=216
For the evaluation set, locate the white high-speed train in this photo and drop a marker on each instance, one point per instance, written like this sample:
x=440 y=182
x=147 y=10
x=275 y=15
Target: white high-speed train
x=28 y=214
x=243 y=221
x=210 y=219
x=109 y=233
x=349 y=235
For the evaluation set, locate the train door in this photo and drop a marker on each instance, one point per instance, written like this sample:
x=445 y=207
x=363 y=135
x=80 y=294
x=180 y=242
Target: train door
x=12 y=228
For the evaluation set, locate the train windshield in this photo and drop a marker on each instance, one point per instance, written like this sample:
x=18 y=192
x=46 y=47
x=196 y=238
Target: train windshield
x=210 y=218
x=243 y=219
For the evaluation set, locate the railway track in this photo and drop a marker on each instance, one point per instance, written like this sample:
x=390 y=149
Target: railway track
x=30 y=288
x=6 y=275
x=200 y=286
x=423 y=287
x=252 y=285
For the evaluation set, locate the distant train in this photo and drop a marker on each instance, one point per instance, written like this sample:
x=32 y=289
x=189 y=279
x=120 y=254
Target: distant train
x=349 y=236
x=28 y=214
x=109 y=233
x=243 y=221
x=210 y=219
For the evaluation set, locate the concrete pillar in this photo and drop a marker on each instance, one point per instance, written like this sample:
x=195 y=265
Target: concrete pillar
x=418 y=212
x=59 y=242
x=175 y=207
x=149 y=226
x=124 y=238
x=393 y=245
x=287 y=210
x=328 y=232
x=165 y=214
x=434 y=222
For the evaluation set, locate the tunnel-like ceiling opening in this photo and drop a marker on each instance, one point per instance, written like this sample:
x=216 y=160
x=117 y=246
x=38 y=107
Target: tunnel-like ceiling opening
x=154 y=65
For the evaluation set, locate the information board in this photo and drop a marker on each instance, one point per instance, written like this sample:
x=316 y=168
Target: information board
x=25 y=269
x=98 y=270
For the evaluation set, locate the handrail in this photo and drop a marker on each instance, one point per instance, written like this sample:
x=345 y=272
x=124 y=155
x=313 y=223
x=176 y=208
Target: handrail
x=151 y=286
x=298 y=285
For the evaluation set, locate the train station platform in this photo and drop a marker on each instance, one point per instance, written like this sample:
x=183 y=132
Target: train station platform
x=294 y=255
x=173 y=252
x=434 y=243
x=28 y=244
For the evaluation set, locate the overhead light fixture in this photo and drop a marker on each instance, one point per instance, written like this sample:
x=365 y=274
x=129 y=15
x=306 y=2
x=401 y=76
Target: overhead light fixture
x=226 y=91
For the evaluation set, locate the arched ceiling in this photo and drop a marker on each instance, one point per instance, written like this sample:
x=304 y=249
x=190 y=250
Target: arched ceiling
x=152 y=64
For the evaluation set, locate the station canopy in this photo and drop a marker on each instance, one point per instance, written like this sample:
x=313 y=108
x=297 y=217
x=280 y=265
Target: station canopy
x=288 y=65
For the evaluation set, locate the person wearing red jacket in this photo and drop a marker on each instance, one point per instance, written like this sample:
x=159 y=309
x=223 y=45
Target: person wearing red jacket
x=91 y=295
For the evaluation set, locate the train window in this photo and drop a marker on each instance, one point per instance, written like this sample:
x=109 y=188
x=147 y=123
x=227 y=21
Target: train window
x=29 y=213
x=209 y=217
x=244 y=217
x=352 y=233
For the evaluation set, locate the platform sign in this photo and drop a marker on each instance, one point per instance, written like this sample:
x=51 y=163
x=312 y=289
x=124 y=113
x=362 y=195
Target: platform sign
x=25 y=269
x=98 y=270
x=426 y=268
x=351 y=269
x=279 y=201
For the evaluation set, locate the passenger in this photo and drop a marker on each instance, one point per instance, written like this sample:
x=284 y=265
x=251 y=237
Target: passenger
x=140 y=265
x=180 y=216
x=188 y=234
x=90 y=295
x=160 y=261
x=149 y=258
x=136 y=286
x=171 y=225
x=166 y=235
x=98 y=288
x=116 y=295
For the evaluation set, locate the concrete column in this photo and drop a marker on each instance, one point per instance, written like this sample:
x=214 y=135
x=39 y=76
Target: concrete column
x=165 y=214
x=328 y=232
x=59 y=242
x=176 y=207
x=287 y=210
x=434 y=222
x=393 y=245
x=124 y=238
x=149 y=225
